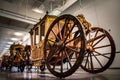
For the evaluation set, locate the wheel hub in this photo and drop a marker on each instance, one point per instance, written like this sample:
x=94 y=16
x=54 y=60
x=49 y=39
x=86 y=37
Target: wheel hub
x=60 y=43
x=90 y=48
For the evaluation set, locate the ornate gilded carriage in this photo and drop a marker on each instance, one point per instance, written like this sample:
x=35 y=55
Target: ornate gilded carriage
x=4 y=62
x=38 y=33
x=66 y=43
x=17 y=56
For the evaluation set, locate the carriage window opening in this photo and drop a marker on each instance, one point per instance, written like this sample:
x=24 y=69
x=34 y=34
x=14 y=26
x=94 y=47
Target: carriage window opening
x=36 y=36
x=42 y=30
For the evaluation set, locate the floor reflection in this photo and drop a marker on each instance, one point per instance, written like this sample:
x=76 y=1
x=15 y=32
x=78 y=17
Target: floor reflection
x=108 y=75
x=44 y=76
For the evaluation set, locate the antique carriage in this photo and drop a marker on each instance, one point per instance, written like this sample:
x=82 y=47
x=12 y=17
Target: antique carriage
x=66 y=43
x=4 y=62
x=37 y=34
x=18 y=56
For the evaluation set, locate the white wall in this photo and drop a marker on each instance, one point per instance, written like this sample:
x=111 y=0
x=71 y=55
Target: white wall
x=102 y=13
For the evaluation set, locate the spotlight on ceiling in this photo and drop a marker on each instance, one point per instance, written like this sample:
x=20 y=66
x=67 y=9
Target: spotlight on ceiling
x=10 y=42
x=37 y=10
x=55 y=12
x=14 y=39
x=18 y=33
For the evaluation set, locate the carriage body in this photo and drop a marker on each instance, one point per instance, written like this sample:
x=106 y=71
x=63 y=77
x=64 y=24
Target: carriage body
x=16 y=58
x=66 y=43
x=14 y=47
x=37 y=34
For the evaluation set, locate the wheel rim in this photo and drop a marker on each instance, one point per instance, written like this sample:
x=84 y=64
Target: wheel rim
x=63 y=56
x=100 y=51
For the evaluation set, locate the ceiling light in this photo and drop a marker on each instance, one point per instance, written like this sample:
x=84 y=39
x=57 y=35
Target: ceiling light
x=18 y=33
x=10 y=42
x=7 y=46
x=38 y=10
x=55 y=12
x=14 y=39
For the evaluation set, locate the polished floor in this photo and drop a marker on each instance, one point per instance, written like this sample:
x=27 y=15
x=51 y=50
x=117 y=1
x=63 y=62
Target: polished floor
x=109 y=74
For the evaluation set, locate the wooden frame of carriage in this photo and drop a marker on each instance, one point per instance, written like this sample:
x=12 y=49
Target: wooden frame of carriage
x=67 y=42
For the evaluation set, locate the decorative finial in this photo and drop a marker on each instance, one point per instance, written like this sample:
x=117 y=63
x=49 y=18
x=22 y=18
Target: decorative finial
x=47 y=12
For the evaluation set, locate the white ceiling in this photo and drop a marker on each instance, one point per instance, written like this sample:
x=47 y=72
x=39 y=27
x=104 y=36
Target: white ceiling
x=18 y=16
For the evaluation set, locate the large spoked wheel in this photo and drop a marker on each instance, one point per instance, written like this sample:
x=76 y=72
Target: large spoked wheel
x=100 y=51
x=62 y=53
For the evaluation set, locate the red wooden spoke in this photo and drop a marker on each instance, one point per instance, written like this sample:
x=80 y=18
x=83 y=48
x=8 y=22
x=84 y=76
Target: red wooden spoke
x=99 y=40
x=63 y=30
x=91 y=61
x=72 y=40
x=55 y=35
x=89 y=38
x=62 y=61
x=69 y=33
x=94 y=37
x=97 y=60
x=102 y=46
x=59 y=31
x=101 y=54
x=66 y=54
x=55 y=50
x=76 y=55
x=56 y=61
x=87 y=60
x=72 y=49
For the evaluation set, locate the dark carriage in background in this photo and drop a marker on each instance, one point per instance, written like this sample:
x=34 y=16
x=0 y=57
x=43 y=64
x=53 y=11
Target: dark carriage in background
x=19 y=57
x=4 y=62
x=66 y=43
